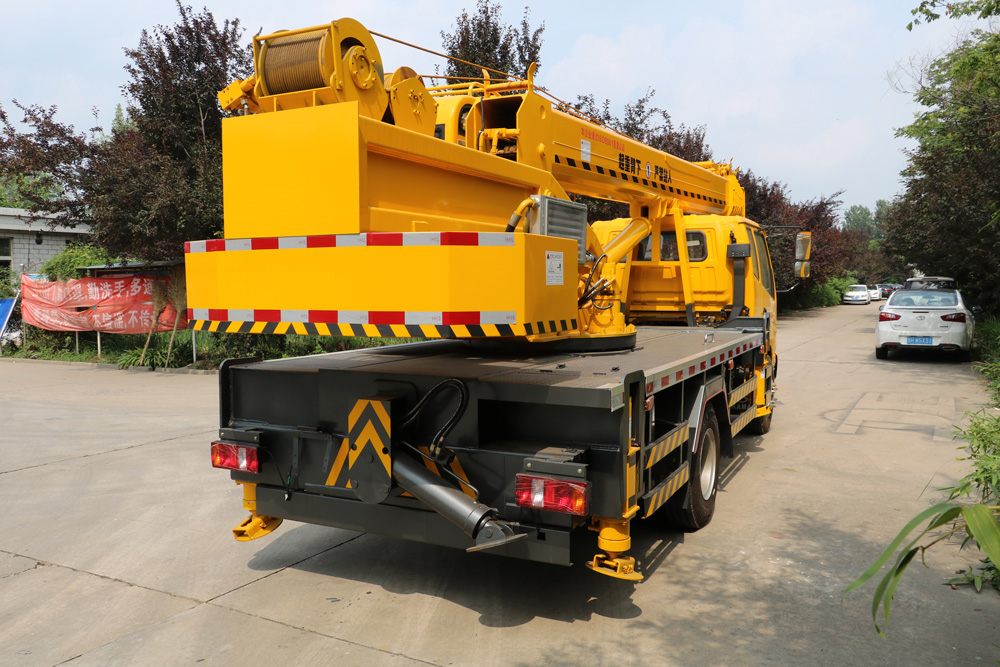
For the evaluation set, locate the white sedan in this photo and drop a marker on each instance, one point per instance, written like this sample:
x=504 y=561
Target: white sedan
x=875 y=292
x=857 y=294
x=924 y=319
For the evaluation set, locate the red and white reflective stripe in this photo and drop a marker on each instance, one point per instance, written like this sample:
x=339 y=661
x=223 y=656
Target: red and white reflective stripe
x=373 y=239
x=412 y=318
x=661 y=379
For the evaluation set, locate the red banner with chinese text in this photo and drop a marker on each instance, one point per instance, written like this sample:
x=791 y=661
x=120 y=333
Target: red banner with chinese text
x=114 y=304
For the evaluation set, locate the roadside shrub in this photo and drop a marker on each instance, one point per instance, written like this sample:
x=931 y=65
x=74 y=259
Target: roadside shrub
x=987 y=346
x=840 y=284
x=64 y=265
x=156 y=356
x=982 y=437
x=829 y=293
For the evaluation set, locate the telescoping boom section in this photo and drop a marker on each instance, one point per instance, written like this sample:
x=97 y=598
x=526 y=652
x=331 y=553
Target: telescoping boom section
x=596 y=372
x=360 y=203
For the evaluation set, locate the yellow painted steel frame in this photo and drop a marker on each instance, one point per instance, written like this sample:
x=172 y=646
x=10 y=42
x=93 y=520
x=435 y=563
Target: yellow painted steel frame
x=327 y=165
x=329 y=211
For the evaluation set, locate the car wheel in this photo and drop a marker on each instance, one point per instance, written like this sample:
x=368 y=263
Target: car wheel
x=881 y=353
x=694 y=508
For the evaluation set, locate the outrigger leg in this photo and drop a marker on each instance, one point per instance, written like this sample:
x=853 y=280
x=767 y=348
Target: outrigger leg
x=613 y=536
x=255 y=525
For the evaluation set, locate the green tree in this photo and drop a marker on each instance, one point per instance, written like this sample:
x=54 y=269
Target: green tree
x=880 y=213
x=930 y=10
x=156 y=180
x=9 y=197
x=860 y=219
x=942 y=220
x=484 y=39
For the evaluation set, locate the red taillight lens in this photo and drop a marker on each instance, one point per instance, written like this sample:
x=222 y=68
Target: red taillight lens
x=954 y=317
x=234 y=457
x=554 y=495
x=888 y=317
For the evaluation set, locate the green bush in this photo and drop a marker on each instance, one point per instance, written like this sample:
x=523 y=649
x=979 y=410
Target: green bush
x=840 y=284
x=8 y=283
x=829 y=293
x=64 y=265
x=987 y=345
x=156 y=356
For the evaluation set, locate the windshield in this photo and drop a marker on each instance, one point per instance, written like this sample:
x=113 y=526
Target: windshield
x=923 y=299
x=857 y=288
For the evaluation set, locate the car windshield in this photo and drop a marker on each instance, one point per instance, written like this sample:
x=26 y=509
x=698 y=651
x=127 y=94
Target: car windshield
x=923 y=299
x=857 y=288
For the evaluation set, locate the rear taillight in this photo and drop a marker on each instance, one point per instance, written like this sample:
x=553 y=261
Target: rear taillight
x=553 y=495
x=234 y=457
x=954 y=317
x=888 y=317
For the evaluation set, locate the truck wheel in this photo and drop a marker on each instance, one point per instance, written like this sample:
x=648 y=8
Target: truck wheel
x=881 y=353
x=694 y=509
x=760 y=425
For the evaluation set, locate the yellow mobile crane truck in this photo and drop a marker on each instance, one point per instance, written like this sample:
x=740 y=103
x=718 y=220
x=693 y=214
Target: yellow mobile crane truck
x=568 y=376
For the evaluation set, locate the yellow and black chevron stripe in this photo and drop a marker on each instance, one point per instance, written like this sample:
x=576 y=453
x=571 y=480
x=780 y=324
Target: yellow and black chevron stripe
x=690 y=193
x=742 y=391
x=369 y=426
x=338 y=472
x=666 y=444
x=387 y=330
x=741 y=422
x=455 y=466
x=667 y=488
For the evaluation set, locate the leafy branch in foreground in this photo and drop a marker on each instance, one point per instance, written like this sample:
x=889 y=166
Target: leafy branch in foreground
x=981 y=523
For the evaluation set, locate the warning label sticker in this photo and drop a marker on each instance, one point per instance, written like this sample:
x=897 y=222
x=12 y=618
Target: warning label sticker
x=553 y=268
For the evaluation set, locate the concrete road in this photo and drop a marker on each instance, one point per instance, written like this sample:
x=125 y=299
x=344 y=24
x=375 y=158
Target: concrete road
x=116 y=546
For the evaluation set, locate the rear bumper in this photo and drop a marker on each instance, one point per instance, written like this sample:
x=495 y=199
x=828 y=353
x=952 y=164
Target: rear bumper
x=949 y=340
x=542 y=544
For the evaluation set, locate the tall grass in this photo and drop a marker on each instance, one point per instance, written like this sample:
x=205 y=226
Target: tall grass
x=988 y=352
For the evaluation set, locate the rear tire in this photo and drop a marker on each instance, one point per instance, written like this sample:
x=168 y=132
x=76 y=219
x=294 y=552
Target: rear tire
x=760 y=425
x=881 y=353
x=694 y=508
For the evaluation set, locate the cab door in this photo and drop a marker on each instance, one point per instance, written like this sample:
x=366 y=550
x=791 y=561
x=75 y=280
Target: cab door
x=765 y=302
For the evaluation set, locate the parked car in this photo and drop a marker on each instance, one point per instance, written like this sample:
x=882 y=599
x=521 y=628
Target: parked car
x=930 y=282
x=857 y=294
x=930 y=319
x=885 y=289
x=874 y=293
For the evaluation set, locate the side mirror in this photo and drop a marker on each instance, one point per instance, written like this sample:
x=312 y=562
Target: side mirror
x=976 y=310
x=803 y=251
x=880 y=308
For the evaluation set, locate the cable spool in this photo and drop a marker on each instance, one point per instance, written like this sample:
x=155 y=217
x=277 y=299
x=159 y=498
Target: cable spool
x=294 y=63
x=340 y=62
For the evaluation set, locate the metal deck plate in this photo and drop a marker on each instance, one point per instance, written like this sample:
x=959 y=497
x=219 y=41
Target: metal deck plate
x=664 y=355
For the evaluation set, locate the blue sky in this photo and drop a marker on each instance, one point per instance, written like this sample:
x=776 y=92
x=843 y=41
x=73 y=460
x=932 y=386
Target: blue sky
x=796 y=90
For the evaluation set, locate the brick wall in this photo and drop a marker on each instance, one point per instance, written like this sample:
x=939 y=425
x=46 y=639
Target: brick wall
x=24 y=237
x=24 y=249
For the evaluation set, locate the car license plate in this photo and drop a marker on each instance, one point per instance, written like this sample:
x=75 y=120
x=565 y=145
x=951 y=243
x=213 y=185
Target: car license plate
x=919 y=340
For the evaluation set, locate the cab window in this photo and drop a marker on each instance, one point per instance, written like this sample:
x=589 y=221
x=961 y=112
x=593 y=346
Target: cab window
x=697 y=247
x=754 y=257
x=766 y=276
